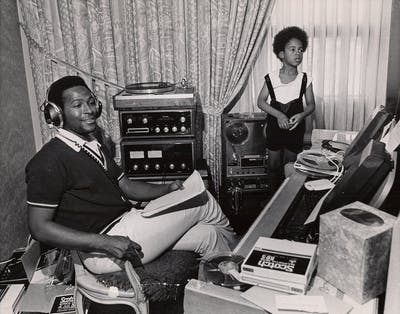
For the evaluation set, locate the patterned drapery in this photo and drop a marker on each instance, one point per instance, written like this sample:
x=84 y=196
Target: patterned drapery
x=211 y=43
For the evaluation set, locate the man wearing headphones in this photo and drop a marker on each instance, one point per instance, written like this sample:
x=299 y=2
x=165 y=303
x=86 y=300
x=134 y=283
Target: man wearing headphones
x=75 y=190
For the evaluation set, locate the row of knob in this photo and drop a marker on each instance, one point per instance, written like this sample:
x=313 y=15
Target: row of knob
x=174 y=129
x=182 y=119
x=171 y=166
x=165 y=129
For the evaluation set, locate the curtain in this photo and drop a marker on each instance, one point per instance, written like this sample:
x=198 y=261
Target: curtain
x=347 y=56
x=211 y=43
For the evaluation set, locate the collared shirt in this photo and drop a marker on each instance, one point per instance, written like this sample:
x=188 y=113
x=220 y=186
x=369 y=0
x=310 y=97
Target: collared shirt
x=64 y=177
x=92 y=148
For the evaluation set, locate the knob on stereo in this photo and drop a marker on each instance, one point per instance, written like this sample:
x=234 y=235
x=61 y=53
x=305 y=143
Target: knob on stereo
x=174 y=129
x=145 y=120
x=171 y=166
x=166 y=129
x=157 y=166
x=146 y=167
x=183 y=166
x=182 y=119
x=157 y=129
x=135 y=167
x=129 y=121
x=183 y=128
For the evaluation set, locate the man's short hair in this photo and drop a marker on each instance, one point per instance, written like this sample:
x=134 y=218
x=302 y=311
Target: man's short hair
x=57 y=88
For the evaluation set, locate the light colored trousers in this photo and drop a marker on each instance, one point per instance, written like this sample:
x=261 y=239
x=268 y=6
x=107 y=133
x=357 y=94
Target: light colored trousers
x=204 y=230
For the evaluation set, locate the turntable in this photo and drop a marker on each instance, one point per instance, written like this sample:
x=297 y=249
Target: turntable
x=149 y=88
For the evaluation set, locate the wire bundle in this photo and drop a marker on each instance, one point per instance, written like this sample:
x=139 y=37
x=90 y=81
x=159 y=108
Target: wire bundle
x=321 y=163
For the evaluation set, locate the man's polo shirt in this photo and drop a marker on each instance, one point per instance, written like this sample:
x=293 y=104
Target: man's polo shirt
x=83 y=191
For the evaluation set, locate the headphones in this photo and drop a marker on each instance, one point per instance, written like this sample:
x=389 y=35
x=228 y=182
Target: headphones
x=53 y=114
x=334 y=146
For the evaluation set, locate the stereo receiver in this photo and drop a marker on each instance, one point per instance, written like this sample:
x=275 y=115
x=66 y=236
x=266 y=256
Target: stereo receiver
x=158 y=157
x=157 y=123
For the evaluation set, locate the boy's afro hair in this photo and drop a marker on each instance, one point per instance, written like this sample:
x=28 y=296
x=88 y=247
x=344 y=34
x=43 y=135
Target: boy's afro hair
x=285 y=35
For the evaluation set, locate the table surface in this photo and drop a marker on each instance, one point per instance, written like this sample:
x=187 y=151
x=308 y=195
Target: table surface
x=200 y=296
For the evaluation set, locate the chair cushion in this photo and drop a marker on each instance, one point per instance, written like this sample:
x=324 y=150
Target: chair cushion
x=161 y=279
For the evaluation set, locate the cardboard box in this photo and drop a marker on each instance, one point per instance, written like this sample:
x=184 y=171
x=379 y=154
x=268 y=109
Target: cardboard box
x=283 y=260
x=44 y=294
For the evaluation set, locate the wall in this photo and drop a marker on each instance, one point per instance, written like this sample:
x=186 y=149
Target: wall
x=16 y=135
x=393 y=85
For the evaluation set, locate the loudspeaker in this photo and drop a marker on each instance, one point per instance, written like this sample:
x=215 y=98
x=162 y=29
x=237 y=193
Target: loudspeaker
x=53 y=113
x=244 y=151
x=354 y=246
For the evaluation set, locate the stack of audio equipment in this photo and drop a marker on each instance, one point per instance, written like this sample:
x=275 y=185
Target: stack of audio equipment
x=160 y=130
x=245 y=184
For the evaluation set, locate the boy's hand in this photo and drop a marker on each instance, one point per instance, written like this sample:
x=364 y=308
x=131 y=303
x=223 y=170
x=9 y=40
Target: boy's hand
x=295 y=120
x=283 y=122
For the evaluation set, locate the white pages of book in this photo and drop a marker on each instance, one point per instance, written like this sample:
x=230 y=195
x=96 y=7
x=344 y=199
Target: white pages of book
x=194 y=194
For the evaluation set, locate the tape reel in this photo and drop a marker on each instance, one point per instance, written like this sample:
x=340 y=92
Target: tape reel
x=216 y=270
x=237 y=133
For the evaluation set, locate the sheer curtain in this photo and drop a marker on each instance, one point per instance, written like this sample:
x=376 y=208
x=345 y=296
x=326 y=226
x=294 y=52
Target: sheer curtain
x=347 y=57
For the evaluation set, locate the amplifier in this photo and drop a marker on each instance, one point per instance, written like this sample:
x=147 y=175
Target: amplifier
x=157 y=123
x=244 y=151
x=158 y=157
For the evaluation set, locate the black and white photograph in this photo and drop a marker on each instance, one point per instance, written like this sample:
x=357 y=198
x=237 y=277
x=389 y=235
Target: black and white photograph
x=200 y=156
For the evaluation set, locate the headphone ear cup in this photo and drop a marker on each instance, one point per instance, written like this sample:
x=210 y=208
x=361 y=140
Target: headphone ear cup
x=53 y=114
x=99 y=108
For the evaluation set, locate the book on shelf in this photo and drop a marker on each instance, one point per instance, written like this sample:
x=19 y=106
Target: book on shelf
x=192 y=195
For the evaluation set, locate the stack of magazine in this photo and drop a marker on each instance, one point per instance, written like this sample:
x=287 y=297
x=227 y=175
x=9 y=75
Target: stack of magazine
x=280 y=265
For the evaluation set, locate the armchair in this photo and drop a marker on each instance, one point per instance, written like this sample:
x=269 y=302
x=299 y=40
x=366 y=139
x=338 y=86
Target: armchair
x=173 y=269
x=88 y=287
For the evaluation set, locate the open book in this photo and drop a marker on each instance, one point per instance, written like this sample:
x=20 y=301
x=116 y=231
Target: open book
x=194 y=194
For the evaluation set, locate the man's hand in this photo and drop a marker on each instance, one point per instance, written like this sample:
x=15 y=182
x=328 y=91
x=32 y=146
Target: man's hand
x=123 y=248
x=175 y=185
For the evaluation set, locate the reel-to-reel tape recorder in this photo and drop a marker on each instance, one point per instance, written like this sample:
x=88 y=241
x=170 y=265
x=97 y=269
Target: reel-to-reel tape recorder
x=245 y=183
x=243 y=145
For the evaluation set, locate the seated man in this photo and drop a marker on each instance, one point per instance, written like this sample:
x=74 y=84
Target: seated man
x=75 y=189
